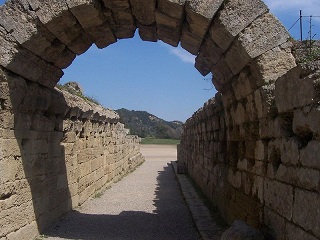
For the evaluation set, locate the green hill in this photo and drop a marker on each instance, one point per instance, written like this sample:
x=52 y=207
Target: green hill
x=145 y=124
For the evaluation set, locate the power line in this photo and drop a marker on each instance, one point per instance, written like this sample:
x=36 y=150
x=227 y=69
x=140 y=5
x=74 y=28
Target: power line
x=300 y=19
x=294 y=24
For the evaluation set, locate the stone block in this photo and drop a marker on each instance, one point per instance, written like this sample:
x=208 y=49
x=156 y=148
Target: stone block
x=233 y=18
x=306 y=211
x=96 y=163
x=36 y=98
x=243 y=85
x=240 y=230
x=309 y=156
x=271 y=65
x=258 y=168
x=62 y=181
x=84 y=169
x=260 y=151
x=148 y=33
x=42 y=123
x=6 y=120
x=69 y=137
x=82 y=8
x=275 y=223
x=25 y=27
x=228 y=99
x=263 y=34
x=198 y=16
x=102 y=35
x=22 y=62
x=143 y=10
x=221 y=73
x=296 y=233
x=264 y=100
x=10 y=147
x=292 y=99
x=173 y=8
x=85 y=194
x=306 y=122
x=247 y=183
x=209 y=54
x=190 y=42
x=168 y=28
x=16 y=218
x=56 y=16
x=121 y=20
x=290 y=151
x=30 y=147
x=258 y=188
x=69 y=148
x=13 y=89
x=297 y=176
x=27 y=232
x=250 y=149
x=234 y=178
x=75 y=201
x=117 y=5
x=242 y=164
x=96 y=26
x=279 y=197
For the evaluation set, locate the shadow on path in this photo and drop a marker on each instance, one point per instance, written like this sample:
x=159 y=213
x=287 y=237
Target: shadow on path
x=170 y=220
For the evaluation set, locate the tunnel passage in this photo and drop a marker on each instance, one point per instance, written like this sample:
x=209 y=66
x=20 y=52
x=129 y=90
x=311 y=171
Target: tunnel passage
x=249 y=53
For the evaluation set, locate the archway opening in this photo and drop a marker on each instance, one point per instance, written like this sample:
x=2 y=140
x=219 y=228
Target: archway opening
x=147 y=76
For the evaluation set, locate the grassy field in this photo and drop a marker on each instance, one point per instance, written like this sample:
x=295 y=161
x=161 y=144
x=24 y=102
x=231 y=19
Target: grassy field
x=160 y=141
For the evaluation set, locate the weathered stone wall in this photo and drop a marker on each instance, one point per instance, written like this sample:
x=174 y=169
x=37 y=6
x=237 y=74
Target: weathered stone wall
x=267 y=171
x=57 y=150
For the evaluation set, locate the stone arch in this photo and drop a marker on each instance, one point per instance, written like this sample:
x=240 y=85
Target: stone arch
x=245 y=47
x=226 y=36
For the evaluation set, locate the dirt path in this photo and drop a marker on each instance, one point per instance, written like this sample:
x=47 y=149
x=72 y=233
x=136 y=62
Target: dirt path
x=146 y=204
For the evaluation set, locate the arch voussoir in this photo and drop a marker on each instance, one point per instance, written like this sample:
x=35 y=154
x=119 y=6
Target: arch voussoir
x=26 y=64
x=97 y=26
x=271 y=65
x=235 y=16
x=144 y=13
x=170 y=15
x=209 y=54
x=265 y=33
x=119 y=15
x=199 y=15
x=55 y=15
x=28 y=31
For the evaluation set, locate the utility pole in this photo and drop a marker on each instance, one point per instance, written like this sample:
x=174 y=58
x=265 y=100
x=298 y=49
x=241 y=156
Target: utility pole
x=301 y=25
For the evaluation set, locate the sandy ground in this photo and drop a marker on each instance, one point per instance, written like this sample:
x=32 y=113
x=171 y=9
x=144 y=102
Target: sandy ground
x=146 y=204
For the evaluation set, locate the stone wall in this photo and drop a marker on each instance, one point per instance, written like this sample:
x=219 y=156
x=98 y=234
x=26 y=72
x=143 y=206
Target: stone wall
x=261 y=166
x=57 y=151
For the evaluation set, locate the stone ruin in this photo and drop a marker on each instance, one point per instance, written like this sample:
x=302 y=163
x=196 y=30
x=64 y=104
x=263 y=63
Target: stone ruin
x=254 y=149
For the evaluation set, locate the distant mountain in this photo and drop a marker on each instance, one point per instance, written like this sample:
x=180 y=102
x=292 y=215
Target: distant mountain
x=145 y=124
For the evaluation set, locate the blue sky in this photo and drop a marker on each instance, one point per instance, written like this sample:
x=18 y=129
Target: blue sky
x=158 y=78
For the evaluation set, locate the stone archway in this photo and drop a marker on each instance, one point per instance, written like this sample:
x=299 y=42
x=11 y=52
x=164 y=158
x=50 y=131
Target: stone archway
x=225 y=36
x=240 y=42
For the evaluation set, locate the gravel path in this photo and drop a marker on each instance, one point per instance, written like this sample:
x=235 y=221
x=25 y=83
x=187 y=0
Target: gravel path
x=146 y=204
